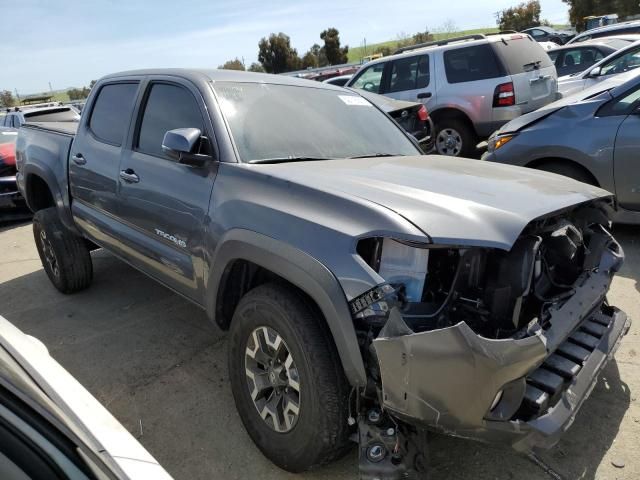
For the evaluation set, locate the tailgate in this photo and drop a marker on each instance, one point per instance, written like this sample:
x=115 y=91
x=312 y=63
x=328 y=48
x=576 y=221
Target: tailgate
x=533 y=74
x=537 y=88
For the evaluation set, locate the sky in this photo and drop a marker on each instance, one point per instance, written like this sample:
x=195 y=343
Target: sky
x=70 y=42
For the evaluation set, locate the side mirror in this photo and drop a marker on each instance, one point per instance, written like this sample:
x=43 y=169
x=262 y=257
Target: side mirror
x=595 y=72
x=179 y=144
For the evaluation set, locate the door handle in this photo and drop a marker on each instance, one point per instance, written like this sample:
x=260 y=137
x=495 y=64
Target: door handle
x=424 y=95
x=129 y=176
x=78 y=159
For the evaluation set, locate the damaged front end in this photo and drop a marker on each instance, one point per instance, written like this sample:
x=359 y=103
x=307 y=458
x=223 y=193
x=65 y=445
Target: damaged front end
x=481 y=343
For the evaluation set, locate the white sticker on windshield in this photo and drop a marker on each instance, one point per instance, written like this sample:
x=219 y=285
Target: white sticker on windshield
x=353 y=100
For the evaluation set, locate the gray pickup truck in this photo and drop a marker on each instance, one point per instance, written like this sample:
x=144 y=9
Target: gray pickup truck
x=372 y=293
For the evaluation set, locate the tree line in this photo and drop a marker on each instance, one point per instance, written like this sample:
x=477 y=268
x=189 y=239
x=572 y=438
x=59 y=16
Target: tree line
x=578 y=9
x=527 y=14
x=276 y=55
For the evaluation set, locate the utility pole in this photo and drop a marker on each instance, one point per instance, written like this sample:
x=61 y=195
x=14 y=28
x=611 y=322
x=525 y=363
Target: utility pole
x=50 y=89
x=18 y=95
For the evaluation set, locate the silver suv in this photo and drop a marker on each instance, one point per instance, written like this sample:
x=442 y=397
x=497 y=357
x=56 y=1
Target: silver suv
x=471 y=85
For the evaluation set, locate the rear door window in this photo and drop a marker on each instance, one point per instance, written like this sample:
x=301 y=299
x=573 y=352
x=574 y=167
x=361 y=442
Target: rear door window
x=168 y=107
x=409 y=73
x=370 y=79
x=520 y=54
x=112 y=111
x=471 y=63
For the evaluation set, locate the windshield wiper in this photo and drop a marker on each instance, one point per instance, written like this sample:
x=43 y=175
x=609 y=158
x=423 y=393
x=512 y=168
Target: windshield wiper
x=534 y=65
x=290 y=158
x=373 y=155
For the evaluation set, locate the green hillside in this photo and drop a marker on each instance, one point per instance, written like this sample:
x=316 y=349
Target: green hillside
x=356 y=53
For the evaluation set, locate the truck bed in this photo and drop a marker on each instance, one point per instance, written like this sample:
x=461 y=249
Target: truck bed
x=69 y=128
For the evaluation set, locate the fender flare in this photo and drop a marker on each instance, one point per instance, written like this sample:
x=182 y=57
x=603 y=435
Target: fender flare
x=49 y=177
x=303 y=271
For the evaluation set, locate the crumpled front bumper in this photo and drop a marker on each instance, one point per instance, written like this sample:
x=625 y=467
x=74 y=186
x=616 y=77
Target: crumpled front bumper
x=448 y=379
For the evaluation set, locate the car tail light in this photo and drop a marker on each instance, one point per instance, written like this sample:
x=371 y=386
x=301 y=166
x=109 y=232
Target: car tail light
x=504 y=95
x=423 y=115
x=8 y=153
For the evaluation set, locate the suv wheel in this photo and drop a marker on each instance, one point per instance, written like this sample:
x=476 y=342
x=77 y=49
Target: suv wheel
x=64 y=255
x=286 y=379
x=455 y=138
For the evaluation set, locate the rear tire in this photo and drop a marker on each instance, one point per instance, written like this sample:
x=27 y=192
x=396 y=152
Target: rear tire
x=455 y=138
x=568 y=170
x=64 y=255
x=319 y=432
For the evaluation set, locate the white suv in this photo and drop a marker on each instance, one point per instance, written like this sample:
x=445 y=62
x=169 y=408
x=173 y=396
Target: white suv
x=470 y=85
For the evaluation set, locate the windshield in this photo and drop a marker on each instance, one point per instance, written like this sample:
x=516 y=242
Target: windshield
x=287 y=122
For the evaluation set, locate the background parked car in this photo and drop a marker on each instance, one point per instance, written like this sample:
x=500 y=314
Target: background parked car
x=607 y=31
x=623 y=60
x=9 y=195
x=17 y=118
x=548 y=34
x=470 y=85
x=339 y=81
x=591 y=137
x=571 y=59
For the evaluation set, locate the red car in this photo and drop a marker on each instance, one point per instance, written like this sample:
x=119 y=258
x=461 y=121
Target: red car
x=9 y=195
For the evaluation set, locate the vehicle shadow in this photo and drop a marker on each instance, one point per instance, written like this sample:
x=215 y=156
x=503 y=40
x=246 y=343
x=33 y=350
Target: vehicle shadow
x=578 y=454
x=628 y=236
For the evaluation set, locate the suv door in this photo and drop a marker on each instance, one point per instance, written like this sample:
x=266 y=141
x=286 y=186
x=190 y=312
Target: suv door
x=410 y=79
x=94 y=157
x=370 y=78
x=163 y=203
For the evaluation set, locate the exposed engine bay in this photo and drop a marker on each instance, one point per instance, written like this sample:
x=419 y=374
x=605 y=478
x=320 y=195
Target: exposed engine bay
x=498 y=293
x=480 y=342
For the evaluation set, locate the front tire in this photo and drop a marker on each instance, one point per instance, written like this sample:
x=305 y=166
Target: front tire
x=64 y=255
x=286 y=378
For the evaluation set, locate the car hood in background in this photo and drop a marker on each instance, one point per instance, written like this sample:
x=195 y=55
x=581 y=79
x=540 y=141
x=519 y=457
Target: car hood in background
x=596 y=95
x=454 y=201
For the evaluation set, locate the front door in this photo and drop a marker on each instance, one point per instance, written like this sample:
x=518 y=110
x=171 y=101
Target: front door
x=410 y=80
x=626 y=155
x=163 y=203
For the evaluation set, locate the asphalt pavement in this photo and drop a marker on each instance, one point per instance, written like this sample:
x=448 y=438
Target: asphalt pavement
x=154 y=360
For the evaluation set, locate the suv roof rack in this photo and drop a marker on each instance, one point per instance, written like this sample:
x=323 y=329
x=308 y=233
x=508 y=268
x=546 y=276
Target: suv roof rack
x=439 y=43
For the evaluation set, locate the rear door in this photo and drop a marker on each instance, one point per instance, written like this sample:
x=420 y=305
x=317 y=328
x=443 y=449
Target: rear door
x=410 y=79
x=95 y=156
x=532 y=72
x=163 y=203
x=626 y=155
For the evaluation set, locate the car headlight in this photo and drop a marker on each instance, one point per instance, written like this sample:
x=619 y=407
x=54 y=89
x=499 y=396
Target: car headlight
x=499 y=141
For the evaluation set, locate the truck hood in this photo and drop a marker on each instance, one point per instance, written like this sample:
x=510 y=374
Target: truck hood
x=453 y=201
